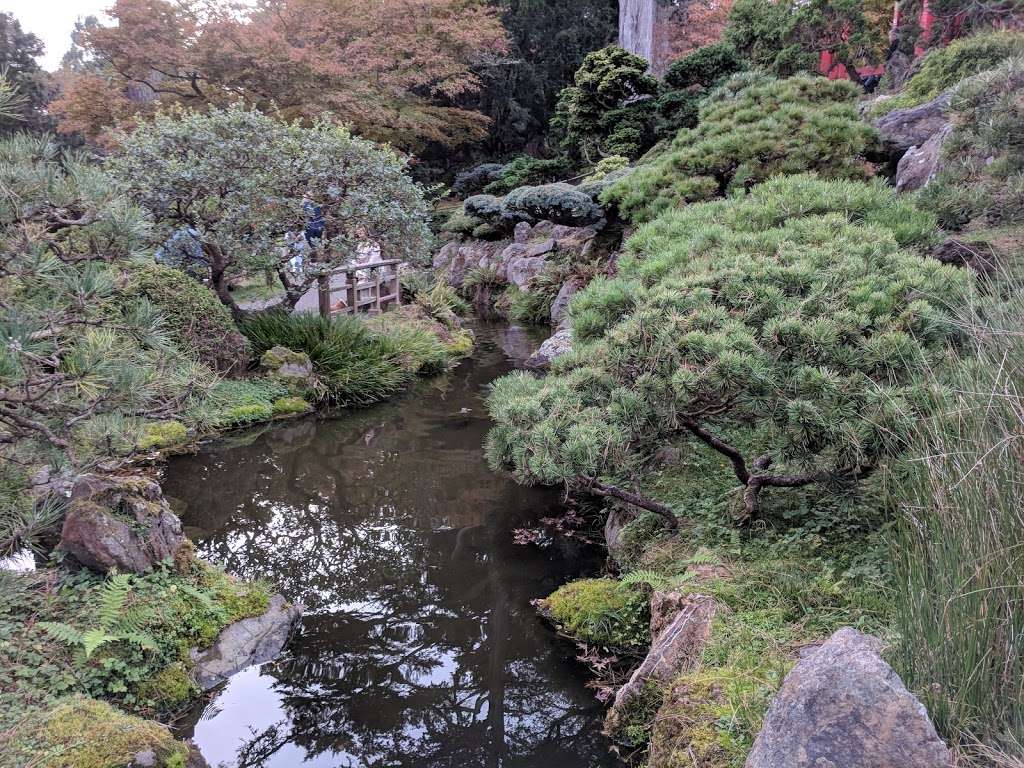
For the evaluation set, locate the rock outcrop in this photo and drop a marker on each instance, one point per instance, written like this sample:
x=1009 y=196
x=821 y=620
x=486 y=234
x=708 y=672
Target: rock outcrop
x=843 y=706
x=902 y=129
x=680 y=628
x=559 y=344
x=560 y=306
x=246 y=642
x=919 y=165
x=119 y=522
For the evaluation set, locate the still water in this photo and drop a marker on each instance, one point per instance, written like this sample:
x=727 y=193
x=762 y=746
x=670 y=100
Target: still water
x=418 y=645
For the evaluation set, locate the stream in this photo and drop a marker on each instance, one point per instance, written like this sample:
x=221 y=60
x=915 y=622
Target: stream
x=418 y=645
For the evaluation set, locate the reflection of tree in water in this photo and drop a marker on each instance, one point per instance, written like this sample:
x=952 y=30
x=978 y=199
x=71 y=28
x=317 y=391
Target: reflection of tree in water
x=419 y=646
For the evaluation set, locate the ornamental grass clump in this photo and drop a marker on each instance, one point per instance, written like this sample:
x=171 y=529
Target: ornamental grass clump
x=795 y=321
x=744 y=136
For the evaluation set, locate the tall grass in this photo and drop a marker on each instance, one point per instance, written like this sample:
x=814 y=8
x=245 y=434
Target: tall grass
x=356 y=366
x=959 y=549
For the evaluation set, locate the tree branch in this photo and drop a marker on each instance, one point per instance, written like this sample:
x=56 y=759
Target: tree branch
x=739 y=465
x=637 y=500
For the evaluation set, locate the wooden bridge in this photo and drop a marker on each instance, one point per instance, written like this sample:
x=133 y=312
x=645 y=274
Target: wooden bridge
x=370 y=288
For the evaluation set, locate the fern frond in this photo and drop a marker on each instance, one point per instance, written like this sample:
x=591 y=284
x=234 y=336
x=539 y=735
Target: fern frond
x=62 y=633
x=93 y=639
x=650 y=578
x=113 y=597
x=141 y=639
x=704 y=556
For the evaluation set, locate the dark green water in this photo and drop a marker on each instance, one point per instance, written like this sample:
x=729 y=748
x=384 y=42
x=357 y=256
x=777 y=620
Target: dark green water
x=419 y=646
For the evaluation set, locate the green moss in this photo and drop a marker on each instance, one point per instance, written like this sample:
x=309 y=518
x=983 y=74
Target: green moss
x=289 y=406
x=461 y=344
x=162 y=434
x=170 y=688
x=277 y=356
x=85 y=733
x=601 y=612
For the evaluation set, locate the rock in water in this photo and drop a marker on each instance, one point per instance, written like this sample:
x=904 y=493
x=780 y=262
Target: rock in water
x=842 y=706
x=119 y=522
x=559 y=344
x=246 y=642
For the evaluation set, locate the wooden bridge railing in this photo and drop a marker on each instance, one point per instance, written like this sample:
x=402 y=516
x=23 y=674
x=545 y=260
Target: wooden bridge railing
x=367 y=288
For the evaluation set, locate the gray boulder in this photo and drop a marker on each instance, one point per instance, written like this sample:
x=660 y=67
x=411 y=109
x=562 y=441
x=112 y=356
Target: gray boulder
x=119 y=522
x=902 y=129
x=559 y=344
x=920 y=164
x=560 y=306
x=246 y=642
x=293 y=369
x=842 y=706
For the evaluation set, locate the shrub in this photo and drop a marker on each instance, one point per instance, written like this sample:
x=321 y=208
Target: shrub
x=559 y=203
x=982 y=176
x=704 y=67
x=461 y=223
x=476 y=178
x=608 y=109
x=790 y=321
x=526 y=171
x=764 y=129
x=942 y=68
x=601 y=612
x=484 y=207
x=356 y=366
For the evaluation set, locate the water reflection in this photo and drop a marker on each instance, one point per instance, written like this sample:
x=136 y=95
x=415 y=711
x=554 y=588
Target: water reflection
x=418 y=646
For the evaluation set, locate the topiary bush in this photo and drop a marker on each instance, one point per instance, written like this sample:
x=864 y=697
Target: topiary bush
x=526 y=171
x=193 y=315
x=787 y=329
x=981 y=181
x=942 y=68
x=486 y=208
x=559 y=203
x=746 y=135
x=474 y=180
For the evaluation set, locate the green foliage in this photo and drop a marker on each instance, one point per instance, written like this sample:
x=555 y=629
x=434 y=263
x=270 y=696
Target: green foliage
x=356 y=366
x=705 y=67
x=289 y=406
x=747 y=135
x=198 y=322
x=234 y=403
x=942 y=68
x=601 y=612
x=787 y=37
x=559 y=203
x=184 y=168
x=792 y=315
x=461 y=223
x=982 y=178
x=959 y=574
x=527 y=171
x=606 y=166
x=606 y=112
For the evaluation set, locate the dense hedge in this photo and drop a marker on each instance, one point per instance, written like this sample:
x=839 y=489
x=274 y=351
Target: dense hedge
x=751 y=128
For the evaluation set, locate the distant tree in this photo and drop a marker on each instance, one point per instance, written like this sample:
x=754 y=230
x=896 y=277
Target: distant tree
x=609 y=109
x=392 y=69
x=241 y=180
x=18 y=52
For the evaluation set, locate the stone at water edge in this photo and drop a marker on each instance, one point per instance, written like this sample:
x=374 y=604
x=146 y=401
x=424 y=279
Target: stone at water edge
x=119 y=522
x=246 y=642
x=559 y=344
x=560 y=306
x=842 y=706
x=680 y=628
x=619 y=516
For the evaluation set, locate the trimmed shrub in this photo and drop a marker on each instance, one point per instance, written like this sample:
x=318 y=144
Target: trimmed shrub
x=192 y=313
x=559 y=203
x=787 y=329
x=942 y=68
x=704 y=67
x=487 y=208
x=748 y=135
x=476 y=178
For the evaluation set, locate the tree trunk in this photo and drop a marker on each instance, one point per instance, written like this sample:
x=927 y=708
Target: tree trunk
x=636 y=499
x=219 y=280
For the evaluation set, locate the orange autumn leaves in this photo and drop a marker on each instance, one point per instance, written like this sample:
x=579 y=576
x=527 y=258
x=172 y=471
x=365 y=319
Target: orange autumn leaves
x=393 y=69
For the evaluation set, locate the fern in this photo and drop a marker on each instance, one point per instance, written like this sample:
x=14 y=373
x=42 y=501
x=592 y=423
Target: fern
x=113 y=596
x=62 y=633
x=649 y=578
x=704 y=556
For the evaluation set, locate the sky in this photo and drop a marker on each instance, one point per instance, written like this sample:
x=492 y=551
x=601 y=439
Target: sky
x=52 y=21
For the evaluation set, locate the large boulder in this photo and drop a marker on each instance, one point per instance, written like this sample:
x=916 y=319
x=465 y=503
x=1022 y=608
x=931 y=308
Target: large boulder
x=902 y=129
x=119 y=522
x=919 y=165
x=559 y=344
x=457 y=258
x=680 y=628
x=246 y=642
x=842 y=706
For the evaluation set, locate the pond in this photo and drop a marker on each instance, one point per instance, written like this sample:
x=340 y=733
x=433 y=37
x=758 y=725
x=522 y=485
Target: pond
x=418 y=645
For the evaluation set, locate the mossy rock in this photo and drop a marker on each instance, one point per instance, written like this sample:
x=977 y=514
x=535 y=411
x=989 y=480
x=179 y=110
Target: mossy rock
x=601 y=612
x=461 y=344
x=291 y=406
x=162 y=434
x=687 y=729
x=276 y=357
x=246 y=414
x=170 y=688
x=85 y=733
